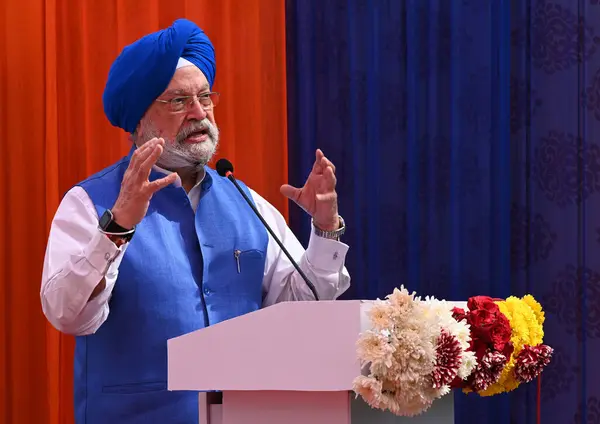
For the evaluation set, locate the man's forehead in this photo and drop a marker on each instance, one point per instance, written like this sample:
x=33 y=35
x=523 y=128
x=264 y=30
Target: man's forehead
x=190 y=90
x=187 y=80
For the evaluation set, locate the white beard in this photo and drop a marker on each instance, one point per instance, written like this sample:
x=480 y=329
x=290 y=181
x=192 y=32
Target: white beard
x=179 y=155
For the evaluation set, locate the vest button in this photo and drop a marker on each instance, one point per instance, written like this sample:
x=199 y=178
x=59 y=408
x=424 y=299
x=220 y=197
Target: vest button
x=207 y=291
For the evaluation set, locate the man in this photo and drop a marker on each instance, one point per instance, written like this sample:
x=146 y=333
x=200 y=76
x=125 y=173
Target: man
x=159 y=245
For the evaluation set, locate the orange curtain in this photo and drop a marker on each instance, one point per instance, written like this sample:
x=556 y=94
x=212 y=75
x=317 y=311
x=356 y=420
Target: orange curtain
x=54 y=59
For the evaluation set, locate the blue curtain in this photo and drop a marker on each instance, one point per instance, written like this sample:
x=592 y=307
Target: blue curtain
x=464 y=133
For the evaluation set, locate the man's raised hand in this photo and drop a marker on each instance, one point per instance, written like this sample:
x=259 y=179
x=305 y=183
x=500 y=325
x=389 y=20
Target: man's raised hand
x=136 y=190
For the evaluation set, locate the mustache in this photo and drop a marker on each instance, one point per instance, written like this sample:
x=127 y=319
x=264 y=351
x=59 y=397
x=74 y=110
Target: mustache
x=196 y=126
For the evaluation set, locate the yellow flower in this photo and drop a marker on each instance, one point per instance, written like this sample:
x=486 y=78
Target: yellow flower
x=537 y=308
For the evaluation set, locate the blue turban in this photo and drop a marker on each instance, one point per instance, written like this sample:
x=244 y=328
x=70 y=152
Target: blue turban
x=144 y=69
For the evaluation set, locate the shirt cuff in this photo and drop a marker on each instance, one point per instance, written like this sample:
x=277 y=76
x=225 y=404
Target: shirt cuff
x=326 y=254
x=101 y=252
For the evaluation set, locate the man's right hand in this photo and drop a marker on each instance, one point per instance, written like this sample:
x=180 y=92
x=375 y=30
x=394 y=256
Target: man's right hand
x=136 y=190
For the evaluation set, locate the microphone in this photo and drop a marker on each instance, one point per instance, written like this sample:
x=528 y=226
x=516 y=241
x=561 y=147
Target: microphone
x=225 y=169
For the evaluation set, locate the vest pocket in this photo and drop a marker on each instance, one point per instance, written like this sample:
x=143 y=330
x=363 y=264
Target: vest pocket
x=135 y=387
x=247 y=259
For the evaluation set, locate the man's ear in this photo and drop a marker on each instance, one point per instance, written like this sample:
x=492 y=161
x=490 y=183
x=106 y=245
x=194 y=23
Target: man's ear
x=133 y=136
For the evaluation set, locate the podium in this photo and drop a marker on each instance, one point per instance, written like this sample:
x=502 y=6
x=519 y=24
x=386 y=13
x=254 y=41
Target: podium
x=290 y=363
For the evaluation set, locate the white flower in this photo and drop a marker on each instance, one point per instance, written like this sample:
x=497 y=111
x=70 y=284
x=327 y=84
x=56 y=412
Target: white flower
x=401 y=349
x=467 y=364
x=443 y=391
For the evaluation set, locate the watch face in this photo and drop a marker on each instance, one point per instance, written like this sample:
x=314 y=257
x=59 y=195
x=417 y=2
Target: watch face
x=105 y=219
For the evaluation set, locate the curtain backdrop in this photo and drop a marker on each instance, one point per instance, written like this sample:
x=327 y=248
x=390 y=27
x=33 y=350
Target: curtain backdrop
x=54 y=59
x=465 y=135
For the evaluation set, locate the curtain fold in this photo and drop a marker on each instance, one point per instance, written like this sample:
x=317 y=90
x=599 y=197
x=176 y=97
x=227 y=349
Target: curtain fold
x=54 y=60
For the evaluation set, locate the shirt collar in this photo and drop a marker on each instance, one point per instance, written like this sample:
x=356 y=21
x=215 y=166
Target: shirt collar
x=177 y=182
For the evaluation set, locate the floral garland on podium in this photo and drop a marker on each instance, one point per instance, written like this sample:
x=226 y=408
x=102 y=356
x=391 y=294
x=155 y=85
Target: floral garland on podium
x=418 y=350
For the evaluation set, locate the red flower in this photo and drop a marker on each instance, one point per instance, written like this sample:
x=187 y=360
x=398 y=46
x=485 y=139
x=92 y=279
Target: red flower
x=459 y=314
x=490 y=341
x=482 y=302
x=488 y=370
x=458 y=383
x=501 y=333
x=489 y=327
x=479 y=347
x=482 y=320
x=447 y=360
x=509 y=348
x=531 y=361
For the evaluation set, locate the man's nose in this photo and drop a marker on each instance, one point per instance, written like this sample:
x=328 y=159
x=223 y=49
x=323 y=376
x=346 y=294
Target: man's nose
x=196 y=111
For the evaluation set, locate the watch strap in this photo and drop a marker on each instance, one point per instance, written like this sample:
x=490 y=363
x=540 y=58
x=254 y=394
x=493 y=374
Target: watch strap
x=109 y=227
x=332 y=235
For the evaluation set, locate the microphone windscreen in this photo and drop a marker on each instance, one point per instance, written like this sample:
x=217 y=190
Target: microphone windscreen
x=224 y=166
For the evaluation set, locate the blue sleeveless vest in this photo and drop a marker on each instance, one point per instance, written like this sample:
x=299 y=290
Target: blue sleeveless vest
x=181 y=272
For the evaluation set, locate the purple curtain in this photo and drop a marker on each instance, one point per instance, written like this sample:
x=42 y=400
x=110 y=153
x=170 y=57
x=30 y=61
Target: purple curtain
x=466 y=139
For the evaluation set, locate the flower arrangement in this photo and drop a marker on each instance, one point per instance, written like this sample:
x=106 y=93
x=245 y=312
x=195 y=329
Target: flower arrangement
x=511 y=331
x=418 y=350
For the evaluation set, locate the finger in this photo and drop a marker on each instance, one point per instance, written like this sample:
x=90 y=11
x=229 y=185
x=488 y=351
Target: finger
x=290 y=192
x=153 y=156
x=326 y=162
x=144 y=147
x=319 y=155
x=329 y=180
x=317 y=165
x=327 y=197
x=161 y=183
x=142 y=153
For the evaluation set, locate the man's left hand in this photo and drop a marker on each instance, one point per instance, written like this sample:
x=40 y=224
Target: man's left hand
x=318 y=196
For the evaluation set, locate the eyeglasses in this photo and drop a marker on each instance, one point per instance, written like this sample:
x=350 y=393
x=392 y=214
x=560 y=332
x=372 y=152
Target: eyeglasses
x=184 y=103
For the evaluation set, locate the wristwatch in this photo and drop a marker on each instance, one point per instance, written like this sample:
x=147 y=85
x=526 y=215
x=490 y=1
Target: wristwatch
x=332 y=235
x=108 y=226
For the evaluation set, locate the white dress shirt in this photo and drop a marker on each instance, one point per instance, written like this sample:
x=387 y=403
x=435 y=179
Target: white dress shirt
x=78 y=256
